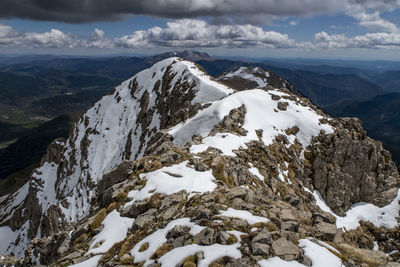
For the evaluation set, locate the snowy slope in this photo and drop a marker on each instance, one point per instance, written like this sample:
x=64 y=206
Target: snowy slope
x=100 y=140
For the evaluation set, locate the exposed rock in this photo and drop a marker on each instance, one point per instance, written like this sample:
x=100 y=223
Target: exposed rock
x=291 y=226
x=144 y=218
x=136 y=209
x=283 y=105
x=116 y=175
x=205 y=237
x=260 y=249
x=349 y=167
x=285 y=249
x=264 y=237
x=178 y=231
x=327 y=231
x=237 y=192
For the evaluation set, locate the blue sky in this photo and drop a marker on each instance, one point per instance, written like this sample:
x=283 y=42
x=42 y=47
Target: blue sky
x=359 y=29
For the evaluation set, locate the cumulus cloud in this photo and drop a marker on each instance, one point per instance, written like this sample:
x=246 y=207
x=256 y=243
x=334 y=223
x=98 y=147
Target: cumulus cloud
x=368 y=13
x=54 y=38
x=381 y=40
x=198 y=33
x=192 y=33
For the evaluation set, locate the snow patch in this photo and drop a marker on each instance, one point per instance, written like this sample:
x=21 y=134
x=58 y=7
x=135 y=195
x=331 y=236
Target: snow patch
x=256 y=172
x=158 y=238
x=319 y=255
x=261 y=113
x=170 y=180
x=115 y=230
x=385 y=216
x=243 y=215
x=211 y=253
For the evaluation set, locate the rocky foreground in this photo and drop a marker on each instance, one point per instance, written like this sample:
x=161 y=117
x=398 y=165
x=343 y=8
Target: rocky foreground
x=177 y=169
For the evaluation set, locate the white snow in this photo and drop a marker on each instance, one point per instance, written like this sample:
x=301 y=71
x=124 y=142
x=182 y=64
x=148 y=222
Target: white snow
x=211 y=253
x=9 y=237
x=11 y=202
x=256 y=172
x=278 y=262
x=385 y=216
x=115 y=230
x=251 y=74
x=260 y=114
x=243 y=215
x=46 y=189
x=319 y=255
x=158 y=238
x=169 y=180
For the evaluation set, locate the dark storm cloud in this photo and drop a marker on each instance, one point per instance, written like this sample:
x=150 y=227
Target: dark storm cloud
x=76 y=11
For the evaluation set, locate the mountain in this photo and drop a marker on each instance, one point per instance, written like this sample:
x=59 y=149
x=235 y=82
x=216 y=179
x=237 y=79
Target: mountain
x=27 y=152
x=322 y=88
x=176 y=168
x=380 y=117
x=390 y=80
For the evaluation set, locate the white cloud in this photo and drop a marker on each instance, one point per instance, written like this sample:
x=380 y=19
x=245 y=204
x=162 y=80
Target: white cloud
x=368 y=13
x=381 y=40
x=53 y=38
x=8 y=35
x=198 y=33
x=191 y=33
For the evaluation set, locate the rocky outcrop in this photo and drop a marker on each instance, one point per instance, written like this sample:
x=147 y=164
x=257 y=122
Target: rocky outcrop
x=349 y=167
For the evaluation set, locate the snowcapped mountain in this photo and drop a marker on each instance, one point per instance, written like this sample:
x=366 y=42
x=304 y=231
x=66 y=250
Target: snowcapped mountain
x=147 y=155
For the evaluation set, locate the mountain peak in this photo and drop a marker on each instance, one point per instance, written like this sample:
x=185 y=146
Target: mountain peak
x=243 y=78
x=190 y=55
x=186 y=165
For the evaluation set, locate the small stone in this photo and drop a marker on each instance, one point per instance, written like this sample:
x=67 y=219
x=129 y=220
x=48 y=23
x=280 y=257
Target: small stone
x=204 y=214
x=135 y=209
x=178 y=242
x=144 y=218
x=223 y=237
x=260 y=249
x=177 y=231
x=283 y=105
x=237 y=192
x=286 y=249
x=264 y=236
x=291 y=226
x=275 y=97
x=169 y=213
x=205 y=237
x=327 y=231
x=286 y=215
x=238 y=203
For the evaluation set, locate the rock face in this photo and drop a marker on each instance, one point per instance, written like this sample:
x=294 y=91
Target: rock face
x=348 y=167
x=175 y=169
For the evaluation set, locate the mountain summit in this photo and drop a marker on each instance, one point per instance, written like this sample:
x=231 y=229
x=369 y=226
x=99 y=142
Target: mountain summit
x=175 y=167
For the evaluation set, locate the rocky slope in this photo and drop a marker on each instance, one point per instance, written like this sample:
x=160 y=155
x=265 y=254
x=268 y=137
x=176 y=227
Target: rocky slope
x=176 y=168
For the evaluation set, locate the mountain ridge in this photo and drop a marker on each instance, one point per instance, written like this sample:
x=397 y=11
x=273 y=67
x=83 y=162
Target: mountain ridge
x=172 y=123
